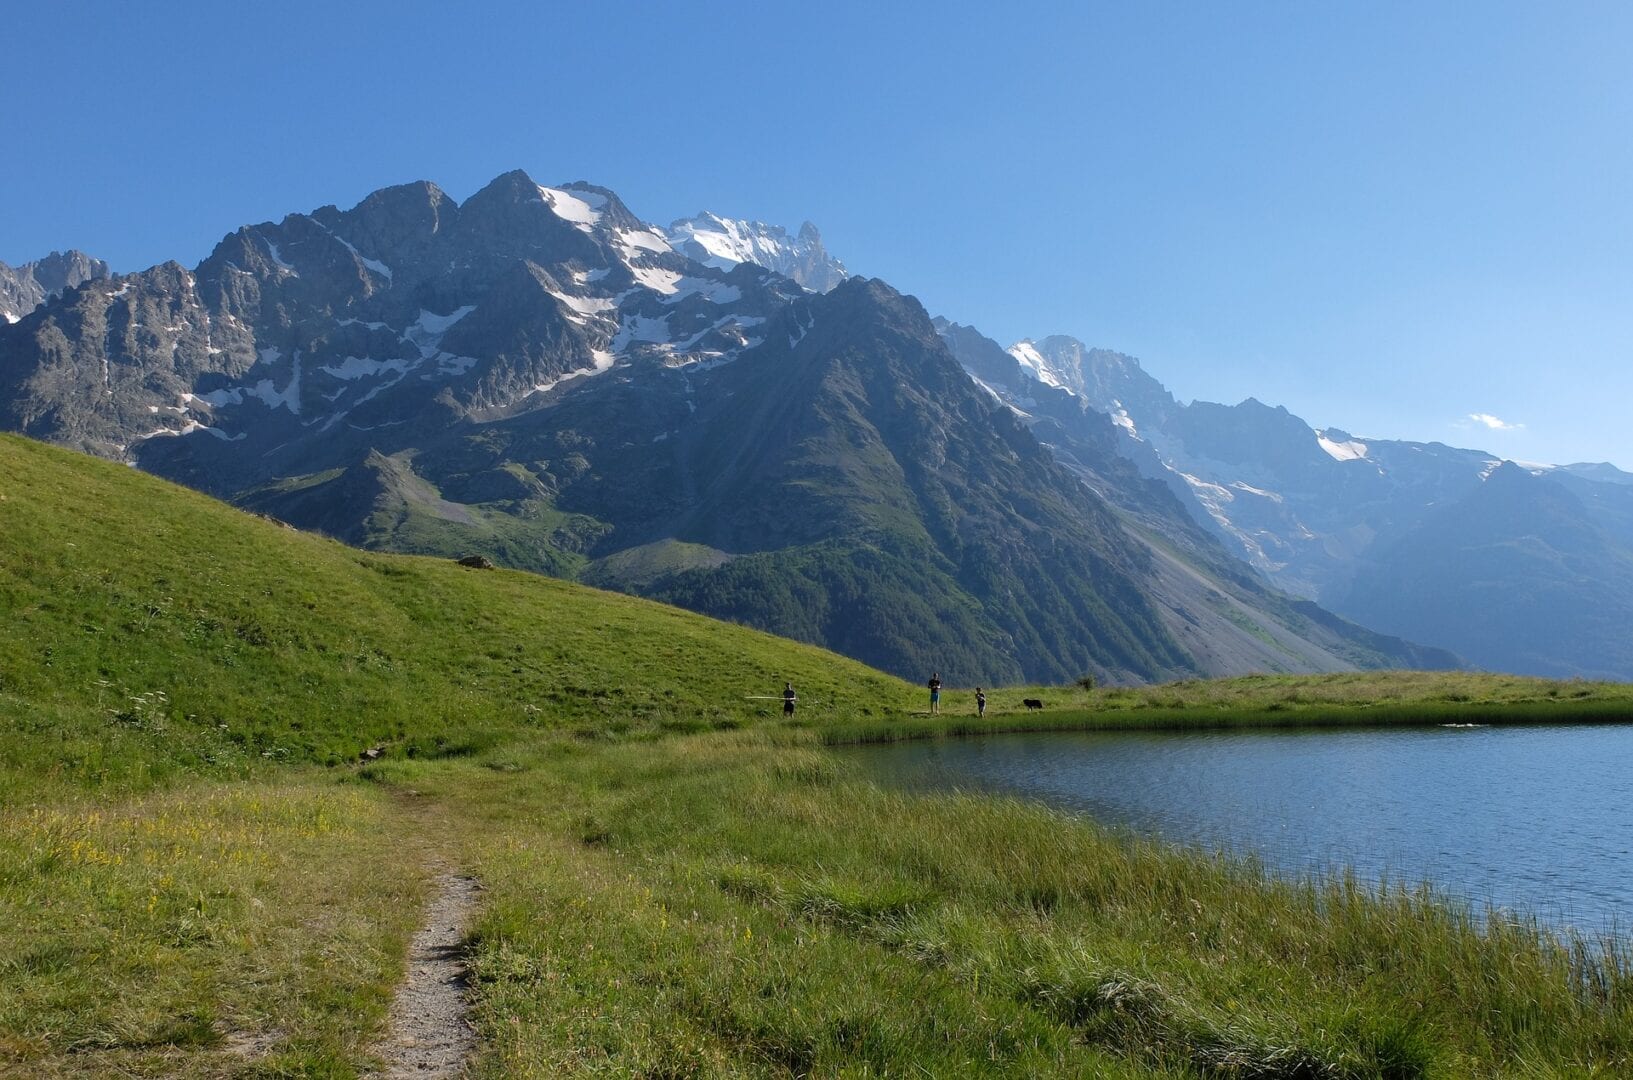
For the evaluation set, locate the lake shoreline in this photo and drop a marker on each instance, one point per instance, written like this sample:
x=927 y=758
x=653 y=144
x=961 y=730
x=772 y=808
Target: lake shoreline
x=1217 y=718
x=1513 y=818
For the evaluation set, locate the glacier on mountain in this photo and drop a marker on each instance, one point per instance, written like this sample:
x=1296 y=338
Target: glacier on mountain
x=725 y=243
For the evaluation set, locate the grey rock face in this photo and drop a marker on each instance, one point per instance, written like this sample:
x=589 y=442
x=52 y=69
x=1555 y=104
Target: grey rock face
x=297 y=339
x=26 y=287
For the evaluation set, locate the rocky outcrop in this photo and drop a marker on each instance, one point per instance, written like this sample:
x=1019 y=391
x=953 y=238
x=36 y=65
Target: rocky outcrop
x=24 y=288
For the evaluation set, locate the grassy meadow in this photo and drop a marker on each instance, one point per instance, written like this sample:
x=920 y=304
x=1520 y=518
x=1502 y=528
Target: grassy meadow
x=1358 y=699
x=202 y=874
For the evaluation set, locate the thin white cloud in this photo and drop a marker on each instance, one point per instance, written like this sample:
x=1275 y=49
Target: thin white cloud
x=1493 y=422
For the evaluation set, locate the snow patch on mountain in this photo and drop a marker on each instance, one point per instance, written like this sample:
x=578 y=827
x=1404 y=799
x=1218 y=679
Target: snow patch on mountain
x=724 y=243
x=632 y=242
x=264 y=391
x=602 y=360
x=427 y=331
x=657 y=279
x=277 y=259
x=738 y=324
x=717 y=292
x=640 y=328
x=1239 y=485
x=373 y=264
x=362 y=367
x=996 y=396
x=1216 y=498
x=290 y=396
x=587 y=307
x=430 y=323
x=1346 y=450
x=581 y=208
x=1120 y=417
x=187 y=428
x=803 y=322
x=1035 y=364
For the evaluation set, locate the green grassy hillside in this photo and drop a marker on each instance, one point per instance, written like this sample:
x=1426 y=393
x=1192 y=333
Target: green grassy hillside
x=199 y=879
x=150 y=628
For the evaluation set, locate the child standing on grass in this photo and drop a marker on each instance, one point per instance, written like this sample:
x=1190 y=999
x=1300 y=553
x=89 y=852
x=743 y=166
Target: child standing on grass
x=935 y=693
x=980 y=703
x=788 y=699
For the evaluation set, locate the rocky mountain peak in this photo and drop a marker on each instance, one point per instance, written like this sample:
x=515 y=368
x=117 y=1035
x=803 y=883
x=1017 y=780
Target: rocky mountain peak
x=1509 y=475
x=515 y=184
x=726 y=242
x=419 y=208
x=64 y=269
x=514 y=217
x=871 y=303
x=26 y=287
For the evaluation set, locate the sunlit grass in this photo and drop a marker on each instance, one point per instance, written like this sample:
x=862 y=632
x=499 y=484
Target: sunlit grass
x=200 y=930
x=741 y=903
x=199 y=878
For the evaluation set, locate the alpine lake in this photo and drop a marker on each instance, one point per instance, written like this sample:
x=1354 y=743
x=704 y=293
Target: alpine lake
x=1527 y=821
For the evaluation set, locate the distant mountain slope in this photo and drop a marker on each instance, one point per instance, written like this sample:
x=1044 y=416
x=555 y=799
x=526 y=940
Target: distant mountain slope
x=1516 y=576
x=539 y=376
x=1224 y=612
x=1297 y=503
x=1341 y=519
x=24 y=288
x=872 y=498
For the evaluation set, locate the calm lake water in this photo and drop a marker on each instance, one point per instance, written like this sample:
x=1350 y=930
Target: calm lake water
x=1530 y=819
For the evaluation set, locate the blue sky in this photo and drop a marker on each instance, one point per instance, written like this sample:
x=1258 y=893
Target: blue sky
x=1391 y=218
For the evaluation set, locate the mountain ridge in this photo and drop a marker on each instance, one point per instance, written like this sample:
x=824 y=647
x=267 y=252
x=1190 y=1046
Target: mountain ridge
x=24 y=288
x=538 y=375
x=727 y=242
x=1324 y=514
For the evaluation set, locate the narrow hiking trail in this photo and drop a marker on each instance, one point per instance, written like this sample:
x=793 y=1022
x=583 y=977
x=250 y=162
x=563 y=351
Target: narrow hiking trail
x=429 y=1035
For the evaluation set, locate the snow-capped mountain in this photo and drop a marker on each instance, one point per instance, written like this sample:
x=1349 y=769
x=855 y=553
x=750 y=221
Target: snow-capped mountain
x=539 y=376
x=347 y=320
x=727 y=242
x=1336 y=518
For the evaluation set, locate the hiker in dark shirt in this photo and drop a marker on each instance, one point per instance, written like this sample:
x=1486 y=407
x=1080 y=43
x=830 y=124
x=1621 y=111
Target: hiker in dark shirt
x=935 y=693
x=980 y=702
x=788 y=699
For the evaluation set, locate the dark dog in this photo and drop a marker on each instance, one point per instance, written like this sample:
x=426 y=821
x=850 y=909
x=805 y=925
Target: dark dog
x=1032 y=703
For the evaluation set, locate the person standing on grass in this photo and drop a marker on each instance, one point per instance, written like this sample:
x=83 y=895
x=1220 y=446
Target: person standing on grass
x=935 y=693
x=980 y=703
x=788 y=699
